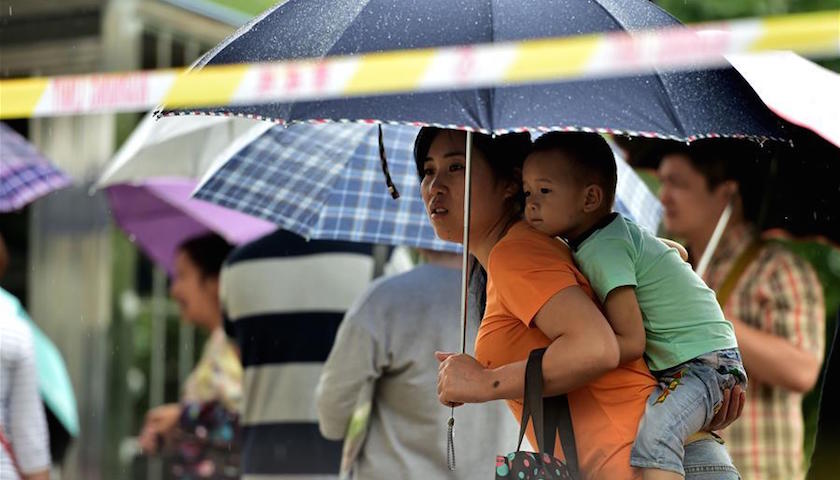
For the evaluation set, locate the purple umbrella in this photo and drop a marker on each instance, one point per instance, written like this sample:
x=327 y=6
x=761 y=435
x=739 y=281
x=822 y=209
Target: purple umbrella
x=159 y=215
x=25 y=174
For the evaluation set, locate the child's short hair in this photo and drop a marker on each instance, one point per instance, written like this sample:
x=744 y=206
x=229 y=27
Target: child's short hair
x=592 y=158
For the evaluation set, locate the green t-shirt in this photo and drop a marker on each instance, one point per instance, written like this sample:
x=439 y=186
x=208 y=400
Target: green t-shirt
x=680 y=313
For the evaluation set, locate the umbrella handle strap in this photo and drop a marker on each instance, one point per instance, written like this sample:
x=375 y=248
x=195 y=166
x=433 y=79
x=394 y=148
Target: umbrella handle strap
x=383 y=159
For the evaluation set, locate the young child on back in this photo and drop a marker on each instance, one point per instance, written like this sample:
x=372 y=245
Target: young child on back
x=657 y=306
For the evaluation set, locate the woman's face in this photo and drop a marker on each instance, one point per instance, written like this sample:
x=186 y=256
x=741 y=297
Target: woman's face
x=442 y=189
x=197 y=296
x=690 y=206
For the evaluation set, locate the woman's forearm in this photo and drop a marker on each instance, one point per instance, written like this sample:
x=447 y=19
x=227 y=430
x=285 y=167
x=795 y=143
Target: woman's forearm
x=583 y=347
x=571 y=363
x=568 y=363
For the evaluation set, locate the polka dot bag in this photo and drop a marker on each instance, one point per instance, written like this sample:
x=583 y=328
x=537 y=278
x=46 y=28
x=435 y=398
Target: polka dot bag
x=548 y=416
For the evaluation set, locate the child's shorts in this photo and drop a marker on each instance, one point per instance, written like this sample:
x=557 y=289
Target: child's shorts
x=684 y=402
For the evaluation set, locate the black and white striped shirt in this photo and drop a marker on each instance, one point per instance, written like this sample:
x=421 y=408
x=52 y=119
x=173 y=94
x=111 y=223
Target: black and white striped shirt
x=284 y=298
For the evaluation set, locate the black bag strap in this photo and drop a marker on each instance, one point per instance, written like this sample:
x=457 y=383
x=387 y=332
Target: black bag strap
x=549 y=415
x=533 y=387
x=558 y=418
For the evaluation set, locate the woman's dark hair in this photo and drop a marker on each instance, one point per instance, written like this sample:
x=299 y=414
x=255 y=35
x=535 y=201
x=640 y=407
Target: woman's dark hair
x=208 y=252
x=504 y=153
x=723 y=159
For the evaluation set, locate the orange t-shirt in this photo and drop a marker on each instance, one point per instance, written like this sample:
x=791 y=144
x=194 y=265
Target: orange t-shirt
x=525 y=269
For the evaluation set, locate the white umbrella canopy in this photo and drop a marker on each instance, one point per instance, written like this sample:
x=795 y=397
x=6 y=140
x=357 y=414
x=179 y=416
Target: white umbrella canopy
x=794 y=88
x=182 y=147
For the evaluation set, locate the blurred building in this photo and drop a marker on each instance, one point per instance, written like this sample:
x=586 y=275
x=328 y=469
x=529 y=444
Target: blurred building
x=68 y=267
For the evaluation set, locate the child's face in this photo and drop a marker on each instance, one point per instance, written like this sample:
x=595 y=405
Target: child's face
x=553 y=200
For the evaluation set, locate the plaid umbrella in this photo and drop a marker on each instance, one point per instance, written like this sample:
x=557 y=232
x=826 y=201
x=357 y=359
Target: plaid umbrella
x=325 y=182
x=25 y=174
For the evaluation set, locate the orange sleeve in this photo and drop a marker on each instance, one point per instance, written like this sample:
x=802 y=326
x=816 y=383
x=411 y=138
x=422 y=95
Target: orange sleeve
x=527 y=274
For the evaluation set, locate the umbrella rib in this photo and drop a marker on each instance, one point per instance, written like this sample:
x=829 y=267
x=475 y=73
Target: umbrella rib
x=247 y=28
x=657 y=74
x=344 y=32
x=202 y=61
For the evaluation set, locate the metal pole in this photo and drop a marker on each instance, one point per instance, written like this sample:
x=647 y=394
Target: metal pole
x=703 y=264
x=380 y=258
x=186 y=351
x=465 y=280
x=465 y=273
x=157 y=367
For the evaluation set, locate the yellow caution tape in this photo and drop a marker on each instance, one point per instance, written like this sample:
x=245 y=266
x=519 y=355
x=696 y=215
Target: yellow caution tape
x=533 y=61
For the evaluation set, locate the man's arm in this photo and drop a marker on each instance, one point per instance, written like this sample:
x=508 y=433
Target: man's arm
x=625 y=317
x=774 y=360
x=787 y=351
x=351 y=365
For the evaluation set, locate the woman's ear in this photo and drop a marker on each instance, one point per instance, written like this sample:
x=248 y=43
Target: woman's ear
x=593 y=198
x=212 y=284
x=514 y=186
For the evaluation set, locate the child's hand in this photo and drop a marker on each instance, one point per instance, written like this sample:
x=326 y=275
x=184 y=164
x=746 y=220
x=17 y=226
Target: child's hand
x=676 y=246
x=730 y=409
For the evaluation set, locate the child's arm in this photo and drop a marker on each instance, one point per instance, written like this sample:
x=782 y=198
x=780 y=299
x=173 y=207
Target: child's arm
x=625 y=317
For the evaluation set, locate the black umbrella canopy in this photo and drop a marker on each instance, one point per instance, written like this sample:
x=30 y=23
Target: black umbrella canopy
x=803 y=192
x=791 y=186
x=678 y=105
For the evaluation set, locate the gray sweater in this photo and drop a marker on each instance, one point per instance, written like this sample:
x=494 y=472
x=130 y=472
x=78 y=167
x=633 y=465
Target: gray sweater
x=386 y=345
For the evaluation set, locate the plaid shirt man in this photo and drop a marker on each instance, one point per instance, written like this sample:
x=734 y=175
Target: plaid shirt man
x=778 y=293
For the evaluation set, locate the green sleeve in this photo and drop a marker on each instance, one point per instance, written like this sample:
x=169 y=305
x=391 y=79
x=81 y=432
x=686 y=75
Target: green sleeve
x=608 y=264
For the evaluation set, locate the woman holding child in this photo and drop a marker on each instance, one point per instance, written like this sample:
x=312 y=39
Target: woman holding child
x=536 y=297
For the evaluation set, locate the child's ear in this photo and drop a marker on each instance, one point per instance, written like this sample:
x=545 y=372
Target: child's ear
x=593 y=197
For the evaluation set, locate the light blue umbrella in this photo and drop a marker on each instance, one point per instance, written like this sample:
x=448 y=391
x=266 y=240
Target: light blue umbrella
x=326 y=182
